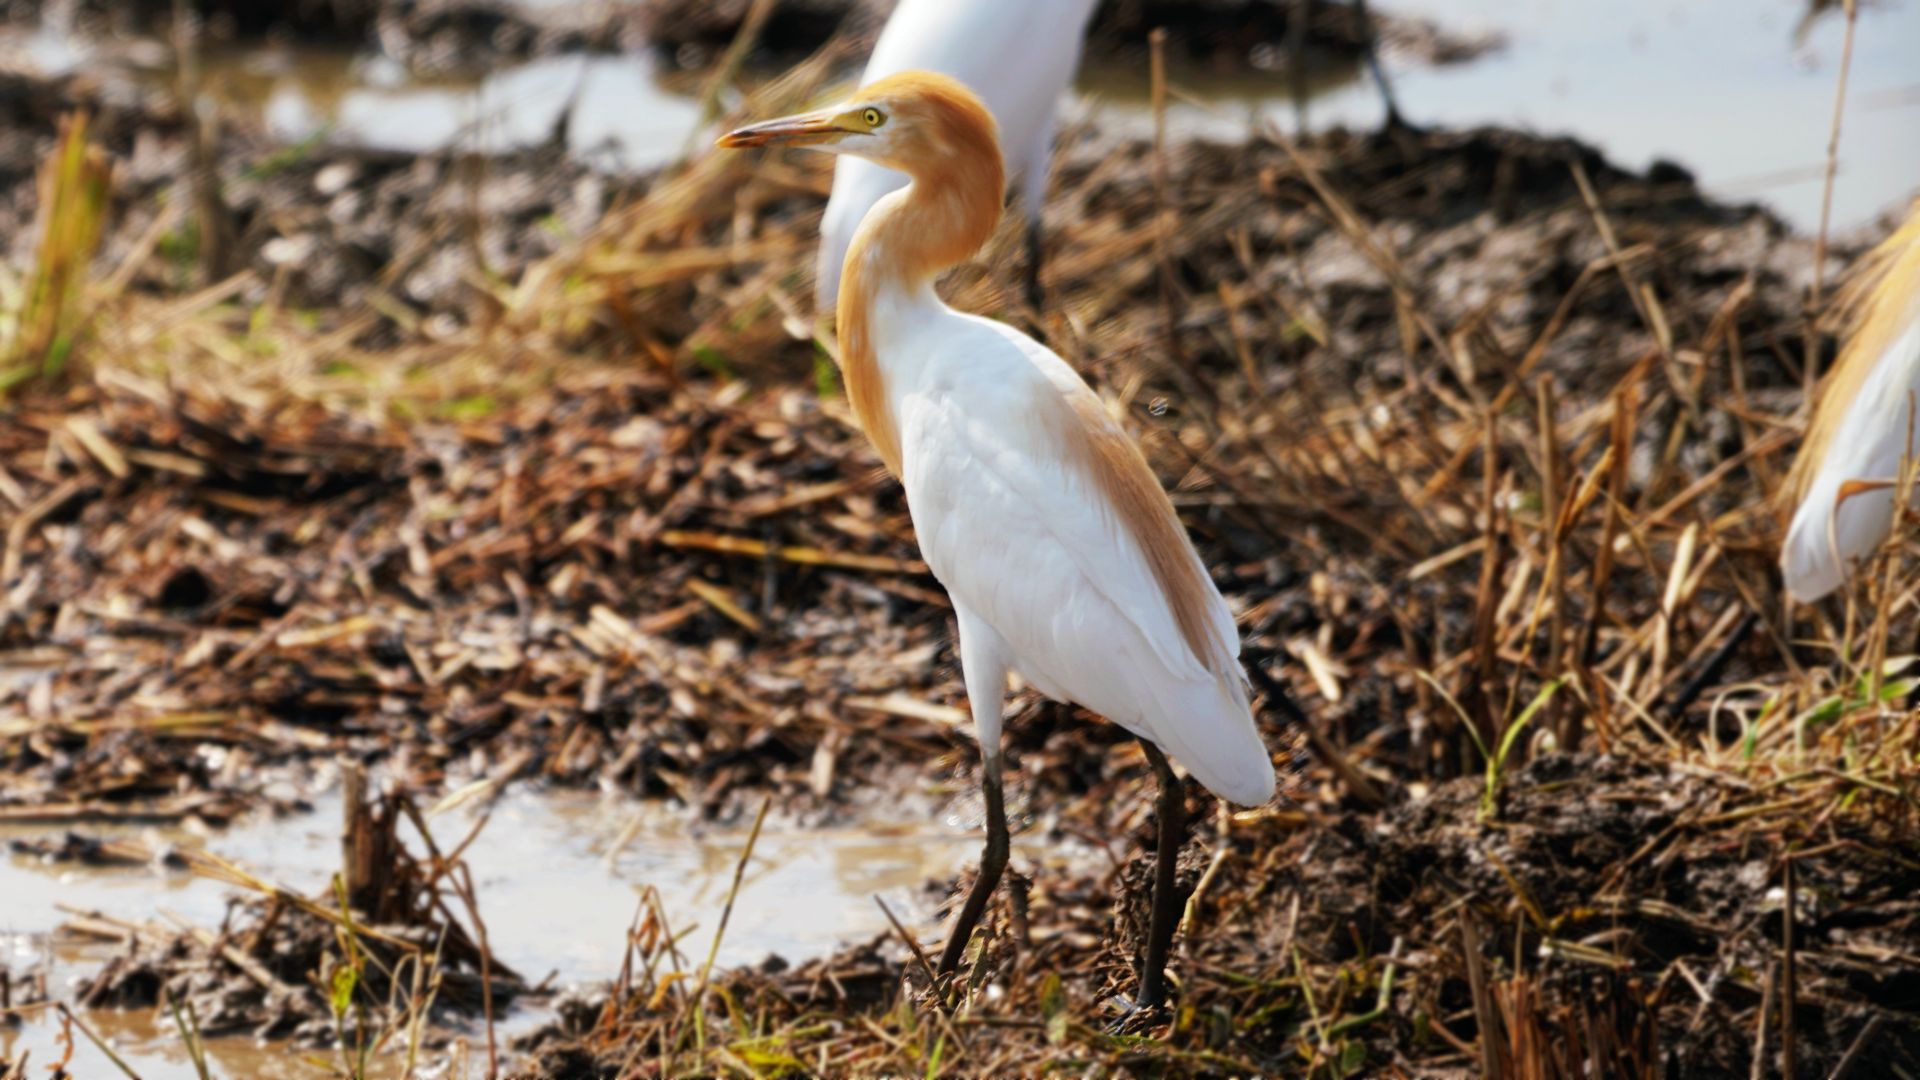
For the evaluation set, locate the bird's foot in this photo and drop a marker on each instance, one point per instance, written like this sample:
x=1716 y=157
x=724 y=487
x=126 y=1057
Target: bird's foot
x=1136 y=1016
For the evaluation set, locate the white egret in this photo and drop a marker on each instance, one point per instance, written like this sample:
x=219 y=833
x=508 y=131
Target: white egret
x=1020 y=54
x=1062 y=555
x=1843 y=481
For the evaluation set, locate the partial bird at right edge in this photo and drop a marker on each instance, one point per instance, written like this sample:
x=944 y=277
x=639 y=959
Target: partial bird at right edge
x=1843 y=483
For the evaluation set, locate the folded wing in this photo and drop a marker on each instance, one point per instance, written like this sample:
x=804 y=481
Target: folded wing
x=1039 y=521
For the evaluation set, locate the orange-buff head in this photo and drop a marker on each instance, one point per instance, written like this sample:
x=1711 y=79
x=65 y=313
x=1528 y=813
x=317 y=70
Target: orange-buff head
x=924 y=124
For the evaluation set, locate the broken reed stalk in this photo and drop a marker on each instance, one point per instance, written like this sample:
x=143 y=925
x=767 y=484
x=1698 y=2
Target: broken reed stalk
x=1565 y=722
x=938 y=991
x=1163 y=218
x=1193 y=381
x=1477 y=694
x=698 y=999
x=730 y=62
x=189 y=1027
x=1826 y=182
x=75 y=184
x=1768 y=985
x=1645 y=303
x=1851 y=1059
x=1626 y=408
x=1484 y=1012
x=462 y=880
x=212 y=220
x=69 y=1017
x=356 y=835
x=1810 y=363
x=1297 y=61
x=1788 y=989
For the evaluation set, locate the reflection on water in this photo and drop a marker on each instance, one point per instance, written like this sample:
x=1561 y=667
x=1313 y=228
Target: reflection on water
x=617 y=113
x=147 y=1041
x=556 y=896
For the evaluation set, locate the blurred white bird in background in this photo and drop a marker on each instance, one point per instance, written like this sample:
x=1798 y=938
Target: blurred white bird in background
x=1845 y=478
x=1019 y=55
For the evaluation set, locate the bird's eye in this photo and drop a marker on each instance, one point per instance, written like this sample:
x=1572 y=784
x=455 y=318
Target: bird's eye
x=872 y=118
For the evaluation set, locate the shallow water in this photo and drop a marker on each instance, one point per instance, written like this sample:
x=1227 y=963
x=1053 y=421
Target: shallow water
x=1724 y=88
x=619 y=113
x=555 y=894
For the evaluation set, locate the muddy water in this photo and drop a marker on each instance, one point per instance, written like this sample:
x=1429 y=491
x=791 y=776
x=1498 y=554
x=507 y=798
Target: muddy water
x=1735 y=90
x=618 y=112
x=558 y=874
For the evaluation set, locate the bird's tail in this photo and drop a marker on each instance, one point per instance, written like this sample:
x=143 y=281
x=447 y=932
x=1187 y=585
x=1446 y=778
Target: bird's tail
x=1212 y=733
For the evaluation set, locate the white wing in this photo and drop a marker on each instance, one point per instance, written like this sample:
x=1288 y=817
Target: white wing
x=1018 y=55
x=1028 y=543
x=1827 y=536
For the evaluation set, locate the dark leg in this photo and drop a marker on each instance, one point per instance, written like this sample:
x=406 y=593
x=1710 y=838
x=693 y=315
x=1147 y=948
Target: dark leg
x=1297 y=63
x=991 y=864
x=1172 y=810
x=1394 y=121
x=1033 y=263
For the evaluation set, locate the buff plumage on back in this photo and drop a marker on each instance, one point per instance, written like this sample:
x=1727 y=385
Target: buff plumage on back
x=1860 y=428
x=1142 y=508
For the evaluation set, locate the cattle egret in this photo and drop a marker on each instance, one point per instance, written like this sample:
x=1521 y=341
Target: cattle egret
x=1062 y=555
x=1021 y=54
x=1845 y=478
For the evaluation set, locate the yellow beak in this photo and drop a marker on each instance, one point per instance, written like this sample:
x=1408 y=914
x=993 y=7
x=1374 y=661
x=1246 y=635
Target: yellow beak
x=805 y=129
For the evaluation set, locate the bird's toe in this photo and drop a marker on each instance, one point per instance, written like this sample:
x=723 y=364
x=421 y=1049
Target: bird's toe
x=1135 y=1017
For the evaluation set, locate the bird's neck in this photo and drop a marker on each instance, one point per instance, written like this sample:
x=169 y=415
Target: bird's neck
x=903 y=245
